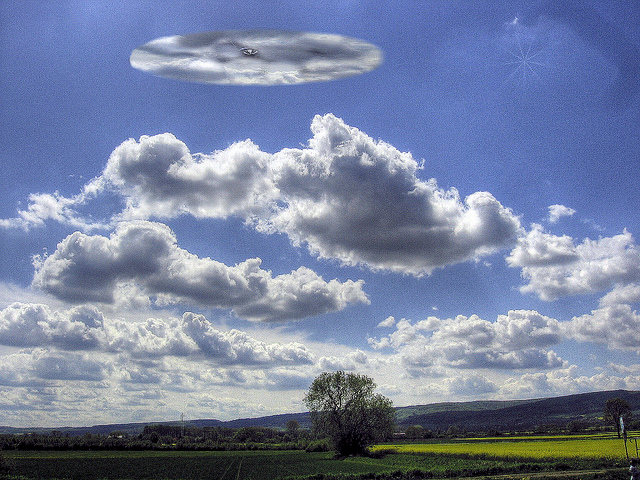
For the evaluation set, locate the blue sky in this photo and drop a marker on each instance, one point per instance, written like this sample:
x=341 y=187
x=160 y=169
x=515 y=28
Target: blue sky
x=460 y=223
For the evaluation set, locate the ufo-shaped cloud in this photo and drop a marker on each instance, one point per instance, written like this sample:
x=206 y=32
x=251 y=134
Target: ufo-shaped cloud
x=256 y=57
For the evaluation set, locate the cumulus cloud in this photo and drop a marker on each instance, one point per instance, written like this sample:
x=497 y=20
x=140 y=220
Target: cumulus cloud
x=299 y=294
x=30 y=325
x=85 y=328
x=40 y=366
x=16 y=370
x=539 y=248
x=387 y=322
x=346 y=196
x=78 y=386
x=556 y=212
x=555 y=267
x=43 y=207
x=349 y=362
x=90 y=268
x=566 y=381
x=518 y=340
x=617 y=326
x=158 y=176
x=470 y=386
x=152 y=338
x=358 y=200
x=58 y=366
x=235 y=346
x=622 y=294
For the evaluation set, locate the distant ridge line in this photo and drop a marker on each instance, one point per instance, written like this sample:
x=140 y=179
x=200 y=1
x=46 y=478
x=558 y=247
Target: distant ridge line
x=474 y=415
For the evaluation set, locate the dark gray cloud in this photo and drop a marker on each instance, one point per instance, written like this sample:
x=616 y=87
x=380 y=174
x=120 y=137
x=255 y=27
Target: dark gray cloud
x=256 y=57
x=39 y=367
x=67 y=367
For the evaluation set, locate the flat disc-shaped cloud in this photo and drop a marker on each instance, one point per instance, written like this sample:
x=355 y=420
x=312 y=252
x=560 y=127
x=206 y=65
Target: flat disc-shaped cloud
x=256 y=57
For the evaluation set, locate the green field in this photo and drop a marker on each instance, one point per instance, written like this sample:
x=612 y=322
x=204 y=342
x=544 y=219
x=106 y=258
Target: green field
x=451 y=459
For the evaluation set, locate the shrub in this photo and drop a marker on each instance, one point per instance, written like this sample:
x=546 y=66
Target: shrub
x=318 y=446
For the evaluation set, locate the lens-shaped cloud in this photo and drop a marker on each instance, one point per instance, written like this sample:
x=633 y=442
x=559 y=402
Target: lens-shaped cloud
x=256 y=57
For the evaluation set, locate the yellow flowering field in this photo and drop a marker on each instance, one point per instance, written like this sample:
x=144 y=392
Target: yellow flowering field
x=533 y=448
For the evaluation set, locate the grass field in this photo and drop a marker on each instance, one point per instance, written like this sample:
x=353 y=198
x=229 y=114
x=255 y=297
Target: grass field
x=453 y=459
x=186 y=465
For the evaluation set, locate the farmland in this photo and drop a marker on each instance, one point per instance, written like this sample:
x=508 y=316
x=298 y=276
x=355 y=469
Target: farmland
x=442 y=459
x=581 y=447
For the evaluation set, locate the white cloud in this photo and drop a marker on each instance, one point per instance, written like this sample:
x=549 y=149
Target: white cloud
x=626 y=294
x=140 y=368
x=555 y=267
x=158 y=176
x=151 y=338
x=556 y=212
x=91 y=269
x=390 y=321
x=518 y=340
x=617 y=326
x=16 y=371
x=470 y=386
x=358 y=200
x=236 y=347
x=299 y=294
x=30 y=325
x=75 y=367
x=345 y=197
x=85 y=328
x=349 y=362
x=564 y=381
x=539 y=248
x=40 y=366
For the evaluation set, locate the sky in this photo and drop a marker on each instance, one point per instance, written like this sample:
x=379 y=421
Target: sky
x=460 y=223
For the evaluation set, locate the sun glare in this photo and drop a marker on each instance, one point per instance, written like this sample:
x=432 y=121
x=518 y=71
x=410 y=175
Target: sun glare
x=522 y=55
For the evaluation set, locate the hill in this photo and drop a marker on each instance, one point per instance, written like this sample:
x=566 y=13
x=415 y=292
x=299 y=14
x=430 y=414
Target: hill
x=514 y=415
x=500 y=415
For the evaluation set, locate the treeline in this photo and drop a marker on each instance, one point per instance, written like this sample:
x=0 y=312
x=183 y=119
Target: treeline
x=418 y=432
x=290 y=437
x=173 y=437
x=188 y=437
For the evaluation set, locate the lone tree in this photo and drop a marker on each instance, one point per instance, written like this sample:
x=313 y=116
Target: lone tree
x=292 y=428
x=344 y=407
x=614 y=408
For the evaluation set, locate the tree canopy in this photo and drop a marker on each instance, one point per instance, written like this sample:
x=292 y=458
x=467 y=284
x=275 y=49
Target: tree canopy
x=345 y=407
x=614 y=408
